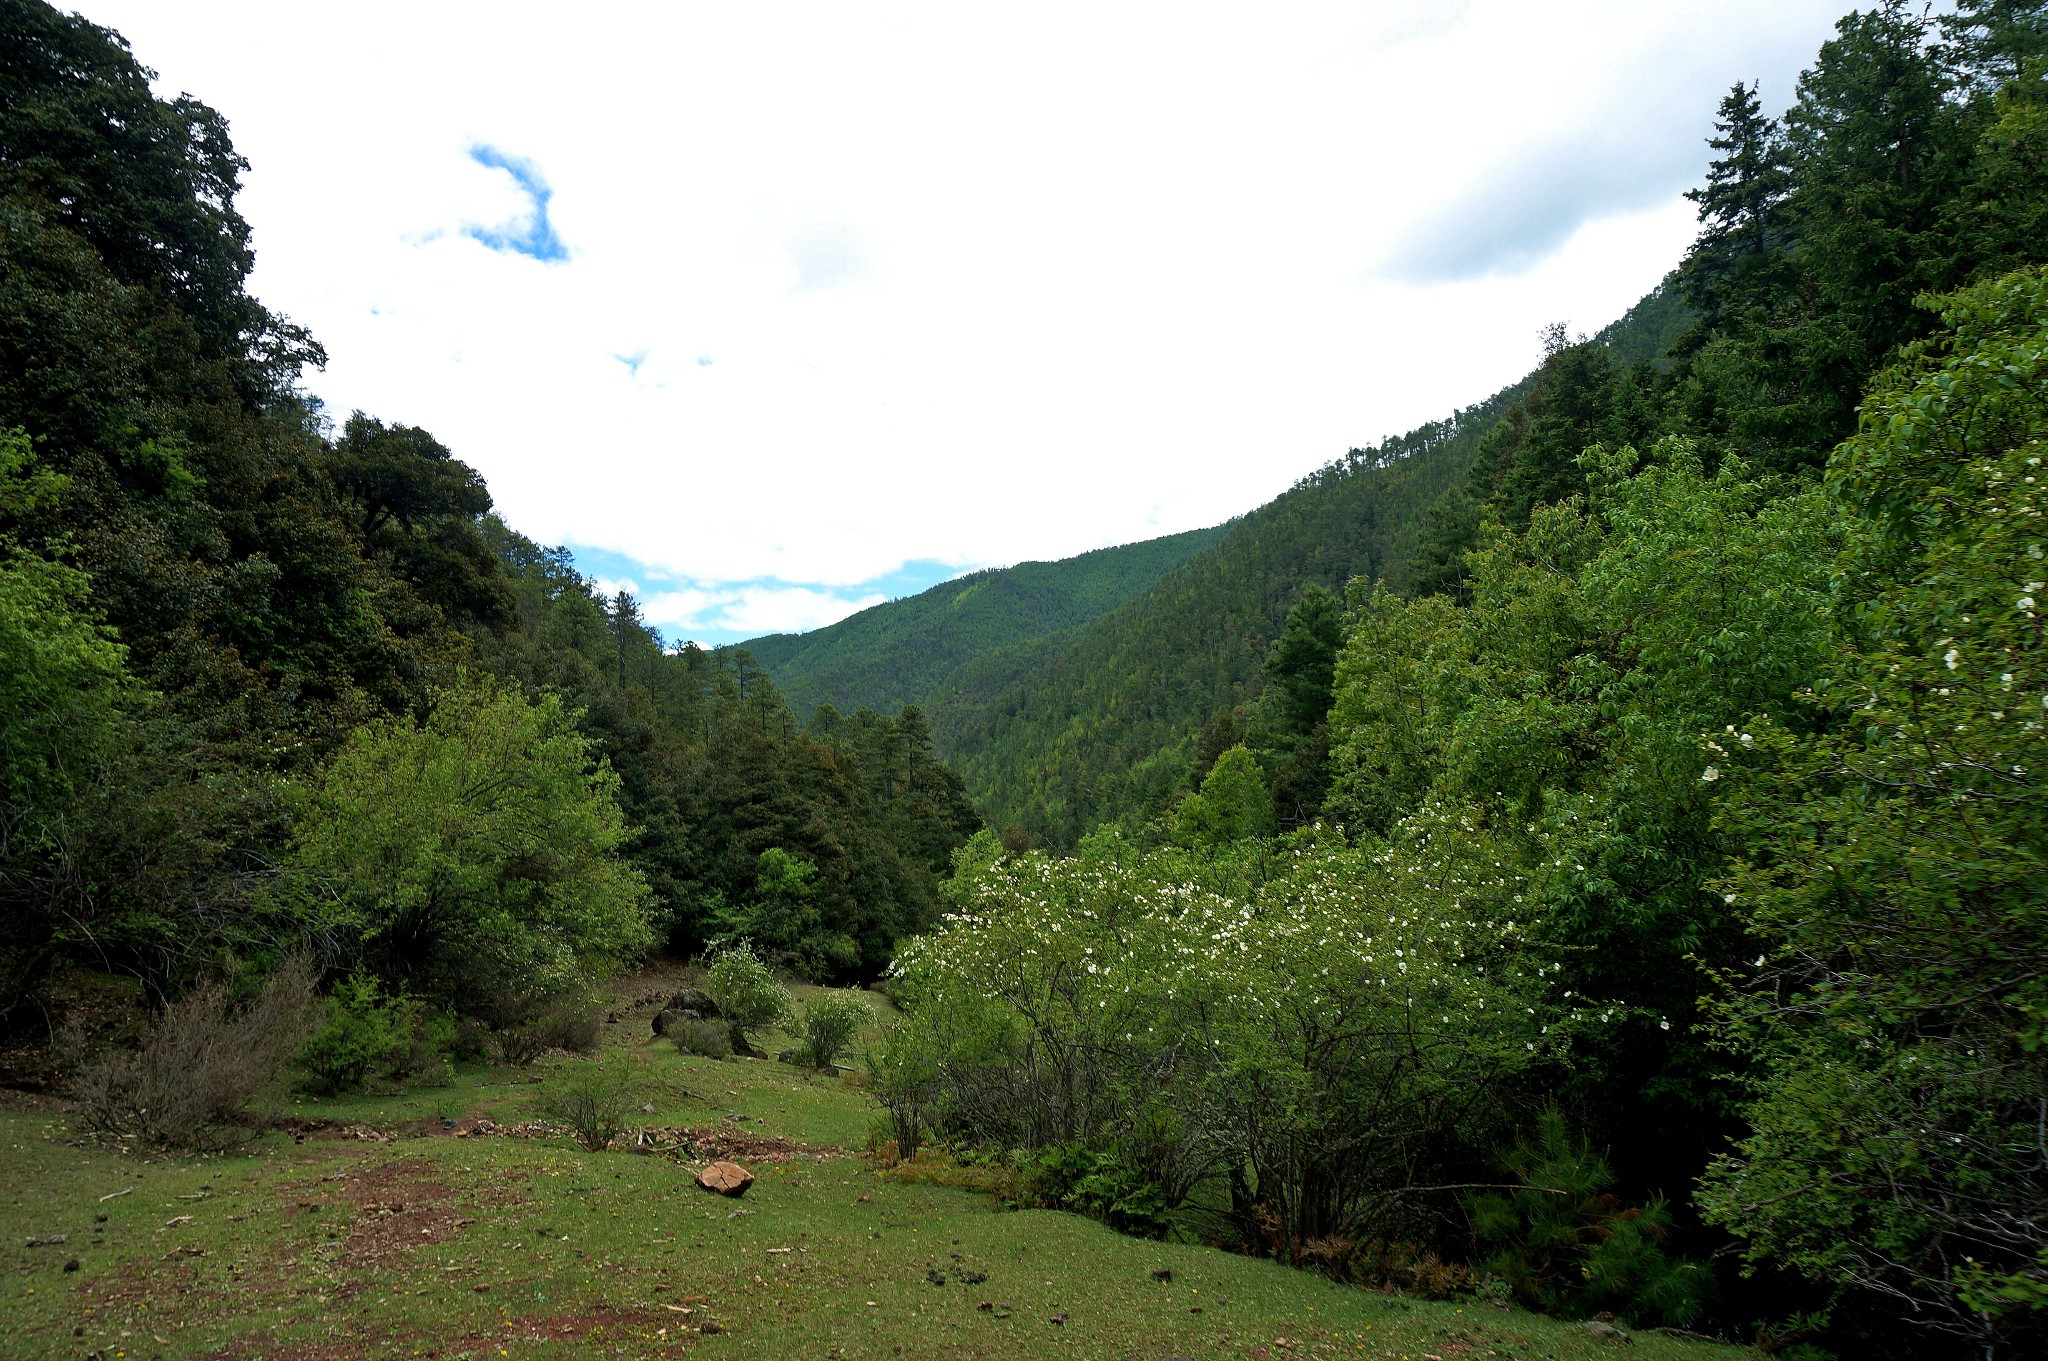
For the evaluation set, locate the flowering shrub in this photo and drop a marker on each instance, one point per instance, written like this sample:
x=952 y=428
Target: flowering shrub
x=1308 y=1026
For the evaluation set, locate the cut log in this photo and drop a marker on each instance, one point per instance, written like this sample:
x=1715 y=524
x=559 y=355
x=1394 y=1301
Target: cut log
x=728 y=1179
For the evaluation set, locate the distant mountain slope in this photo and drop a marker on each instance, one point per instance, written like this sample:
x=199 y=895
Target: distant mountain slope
x=906 y=651
x=1079 y=728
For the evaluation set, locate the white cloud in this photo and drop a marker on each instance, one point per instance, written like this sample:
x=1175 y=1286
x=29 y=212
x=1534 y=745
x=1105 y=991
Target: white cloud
x=979 y=284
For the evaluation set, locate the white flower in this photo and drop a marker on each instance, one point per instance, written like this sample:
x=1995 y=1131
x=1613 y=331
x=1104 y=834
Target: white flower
x=1710 y=774
x=2025 y=602
x=1954 y=658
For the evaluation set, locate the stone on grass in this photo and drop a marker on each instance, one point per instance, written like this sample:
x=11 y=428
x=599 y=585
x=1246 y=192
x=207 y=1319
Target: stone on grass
x=694 y=1004
x=726 y=1178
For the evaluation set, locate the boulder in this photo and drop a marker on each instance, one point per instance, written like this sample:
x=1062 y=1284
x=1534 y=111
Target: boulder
x=694 y=1004
x=726 y=1178
x=666 y=1020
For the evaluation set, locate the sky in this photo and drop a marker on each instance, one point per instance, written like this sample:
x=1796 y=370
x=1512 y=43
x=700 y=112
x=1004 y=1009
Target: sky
x=774 y=311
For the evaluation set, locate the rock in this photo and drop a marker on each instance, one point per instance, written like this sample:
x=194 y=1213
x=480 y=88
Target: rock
x=1607 y=1332
x=1164 y=1273
x=73 y=1264
x=726 y=1178
x=974 y=1277
x=694 y=1004
x=47 y=1241
x=1059 y=1319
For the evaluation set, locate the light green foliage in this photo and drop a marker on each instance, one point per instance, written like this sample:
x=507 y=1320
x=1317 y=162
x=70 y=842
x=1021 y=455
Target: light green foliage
x=747 y=994
x=60 y=669
x=1305 y=1031
x=829 y=1022
x=1232 y=804
x=1893 y=850
x=62 y=676
x=1560 y=712
x=473 y=852
x=363 y=1032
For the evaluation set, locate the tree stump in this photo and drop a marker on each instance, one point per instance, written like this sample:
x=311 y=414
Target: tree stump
x=726 y=1178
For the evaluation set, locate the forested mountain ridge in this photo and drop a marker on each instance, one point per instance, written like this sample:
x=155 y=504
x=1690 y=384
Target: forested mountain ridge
x=1094 y=716
x=1100 y=724
x=907 y=651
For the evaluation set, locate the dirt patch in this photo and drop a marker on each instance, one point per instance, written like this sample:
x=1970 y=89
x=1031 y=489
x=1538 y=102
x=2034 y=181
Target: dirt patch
x=716 y=1145
x=397 y=1208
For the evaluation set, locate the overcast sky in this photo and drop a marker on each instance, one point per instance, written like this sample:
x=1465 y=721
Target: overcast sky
x=773 y=311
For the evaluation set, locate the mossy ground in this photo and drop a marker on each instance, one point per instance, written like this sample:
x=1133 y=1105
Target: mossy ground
x=423 y=1241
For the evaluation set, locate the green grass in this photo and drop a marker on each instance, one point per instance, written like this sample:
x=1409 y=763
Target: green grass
x=433 y=1245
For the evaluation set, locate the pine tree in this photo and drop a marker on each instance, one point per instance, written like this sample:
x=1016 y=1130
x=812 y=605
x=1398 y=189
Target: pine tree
x=1742 y=223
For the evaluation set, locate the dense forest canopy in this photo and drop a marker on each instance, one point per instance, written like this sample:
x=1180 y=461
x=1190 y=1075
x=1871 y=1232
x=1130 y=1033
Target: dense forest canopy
x=1596 y=840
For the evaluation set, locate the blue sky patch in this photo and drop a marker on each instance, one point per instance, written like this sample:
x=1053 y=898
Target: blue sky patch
x=719 y=612
x=533 y=236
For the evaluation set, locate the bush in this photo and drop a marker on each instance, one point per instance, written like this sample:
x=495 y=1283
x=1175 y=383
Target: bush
x=592 y=1102
x=747 y=994
x=524 y=1028
x=362 y=1031
x=1563 y=1244
x=199 y=1065
x=710 y=1039
x=828 y=1022
x=1099 y=1184
x=905 y=1077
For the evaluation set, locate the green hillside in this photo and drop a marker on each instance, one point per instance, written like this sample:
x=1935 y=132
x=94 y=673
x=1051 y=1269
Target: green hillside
x=907 y=650
x=1087 y=726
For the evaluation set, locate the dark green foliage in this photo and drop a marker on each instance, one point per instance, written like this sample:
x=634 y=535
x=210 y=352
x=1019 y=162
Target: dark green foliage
x=1098 y=724
x=1450 y=530
x=908 y=651
x=1072 y=1177
x=1582 y=395
x=1286 y=723
x=1563 y=1242
x=150 y=184
x=239 y=596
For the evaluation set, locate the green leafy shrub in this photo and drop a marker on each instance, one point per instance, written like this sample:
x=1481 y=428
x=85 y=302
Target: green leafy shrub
x=522 y=1028
x=903 y=1074
x=828 y=1023
x=747 y=994
x=1102 y=1186
x=472 y=851
x=364 y=1032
